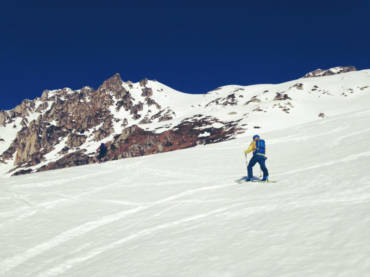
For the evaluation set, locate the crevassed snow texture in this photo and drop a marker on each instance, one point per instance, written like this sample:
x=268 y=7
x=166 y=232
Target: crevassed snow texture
x=181 y=213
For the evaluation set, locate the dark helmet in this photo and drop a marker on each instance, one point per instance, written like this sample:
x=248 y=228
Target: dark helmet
x=256 y=136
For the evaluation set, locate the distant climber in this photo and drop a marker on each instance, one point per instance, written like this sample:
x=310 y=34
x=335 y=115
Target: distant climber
x=259 y=156
x=102 y=150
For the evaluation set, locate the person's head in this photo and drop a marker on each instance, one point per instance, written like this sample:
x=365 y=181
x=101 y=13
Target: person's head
x=256 y=137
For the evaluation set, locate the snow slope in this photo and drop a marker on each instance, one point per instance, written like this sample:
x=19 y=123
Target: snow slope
x=181 y=213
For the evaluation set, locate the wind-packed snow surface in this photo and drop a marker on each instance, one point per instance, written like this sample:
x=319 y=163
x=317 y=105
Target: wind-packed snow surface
x=181 y=213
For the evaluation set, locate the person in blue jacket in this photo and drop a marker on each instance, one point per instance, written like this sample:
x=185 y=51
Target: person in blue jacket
x=102 y=152
x=259 y=156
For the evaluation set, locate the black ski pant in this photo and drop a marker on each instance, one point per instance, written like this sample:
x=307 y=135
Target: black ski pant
x=257 y=159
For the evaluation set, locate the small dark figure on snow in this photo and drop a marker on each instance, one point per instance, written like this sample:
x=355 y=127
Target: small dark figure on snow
x=259 y=156
x=102 y=150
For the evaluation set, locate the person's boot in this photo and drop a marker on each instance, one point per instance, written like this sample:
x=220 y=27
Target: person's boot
x=265 y=179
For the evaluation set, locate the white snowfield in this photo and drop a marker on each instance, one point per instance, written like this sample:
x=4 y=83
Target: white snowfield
x=181 y=213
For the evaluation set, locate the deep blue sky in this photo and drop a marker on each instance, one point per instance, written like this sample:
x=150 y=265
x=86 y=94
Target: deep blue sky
x=192 y=48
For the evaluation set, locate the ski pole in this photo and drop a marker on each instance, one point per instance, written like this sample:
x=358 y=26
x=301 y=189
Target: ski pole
x=246 y=161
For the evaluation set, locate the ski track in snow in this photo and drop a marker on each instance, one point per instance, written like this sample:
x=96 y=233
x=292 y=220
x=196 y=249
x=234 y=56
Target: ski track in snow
x=61 y=269
x=263 y=209
x=10 y=263
x=161 y=197
x=340 y=139
x=344 y=160
x=92 y=225
x=25 y=212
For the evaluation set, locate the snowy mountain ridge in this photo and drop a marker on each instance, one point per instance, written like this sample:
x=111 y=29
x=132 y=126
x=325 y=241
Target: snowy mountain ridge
x=331 y=71
x=64 y=127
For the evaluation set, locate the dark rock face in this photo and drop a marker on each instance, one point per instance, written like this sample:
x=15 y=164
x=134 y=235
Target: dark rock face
x=281 y=96
x=134 y=141
x=64 y=114
x=64 y=120
x=229 y=100
x=3 y=118
x=113 y=84
x=298 y=86
x=73 y=159
x=254 y=99
x=332 y=71
x=322 y=115
x=75 y=140
x=22 y=172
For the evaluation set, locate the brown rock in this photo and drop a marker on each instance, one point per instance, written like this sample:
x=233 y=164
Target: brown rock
x=331 y=71
x=322 y=115
x=73 y=159
x=3 y=118
x=254 y=99
x=298 y=86
x=281 y=96
x=143 y=82
x=147 y=92
x=75 y=140
x=22 y=172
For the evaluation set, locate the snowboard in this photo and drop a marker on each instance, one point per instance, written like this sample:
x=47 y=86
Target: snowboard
x=254 y=180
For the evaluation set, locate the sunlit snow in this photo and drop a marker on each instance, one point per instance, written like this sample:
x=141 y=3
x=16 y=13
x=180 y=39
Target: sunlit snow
x=181 y=213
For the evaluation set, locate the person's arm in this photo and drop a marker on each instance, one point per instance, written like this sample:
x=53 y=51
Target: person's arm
x=251 y=148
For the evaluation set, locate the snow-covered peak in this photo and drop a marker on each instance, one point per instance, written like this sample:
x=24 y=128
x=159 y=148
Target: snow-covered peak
x=64 y=127
x=331 y=71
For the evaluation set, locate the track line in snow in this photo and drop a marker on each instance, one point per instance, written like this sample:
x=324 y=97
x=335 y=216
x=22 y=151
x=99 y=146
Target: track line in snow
x=247 y=211
x=18 y=214
x=298 y=138
x=349 y=158
x=12 y=262
x=338 y=140
x=72 y=262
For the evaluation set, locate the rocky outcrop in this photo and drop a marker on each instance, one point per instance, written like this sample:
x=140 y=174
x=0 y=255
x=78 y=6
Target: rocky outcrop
x=298 y=86
x=75 y=140
x=331 y=71
x=33 y=142
x=67 y=119
x=281 y=96
x=163 y=115
x=254 y=99
x=134 y=141
x=73 y=159
x=22 y=172
x=62 y=127
x=229 y=100
x=113 y=85
x=64 y=114
x=3 y=118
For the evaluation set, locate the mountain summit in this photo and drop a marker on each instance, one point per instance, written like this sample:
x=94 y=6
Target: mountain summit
x=64 y=127
x=331 y=71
